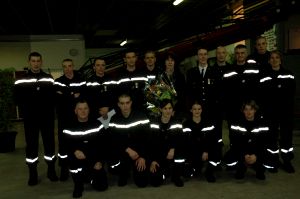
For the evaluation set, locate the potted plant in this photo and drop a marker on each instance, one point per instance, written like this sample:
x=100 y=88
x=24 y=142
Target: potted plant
x=7 y=110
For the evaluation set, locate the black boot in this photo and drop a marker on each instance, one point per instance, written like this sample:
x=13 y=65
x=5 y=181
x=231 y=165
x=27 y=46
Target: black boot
x=78 y=185
x=260 y=171
x=288 y=167
x=64 y=173
x=99 y=180
x=240 y=171
x=209 y=174
x=33 y=175
x=51 y=173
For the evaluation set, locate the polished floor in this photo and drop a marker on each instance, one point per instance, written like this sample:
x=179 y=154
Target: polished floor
x=14 y=175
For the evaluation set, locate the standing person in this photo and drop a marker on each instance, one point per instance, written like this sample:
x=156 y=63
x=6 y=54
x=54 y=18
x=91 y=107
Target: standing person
x=99 y=86
x=86 y=150
x=248 y=142
x=129 y=143
x=278 y=93
x=151 y=70
x=34 y=95
x=132 y=80
x=202 y=144
x=172 y=77
x=202 y=84
x=68 y=88
x=167 y=154
x=261 y=54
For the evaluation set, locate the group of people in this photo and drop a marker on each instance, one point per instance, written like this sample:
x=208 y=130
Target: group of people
x=104 y=123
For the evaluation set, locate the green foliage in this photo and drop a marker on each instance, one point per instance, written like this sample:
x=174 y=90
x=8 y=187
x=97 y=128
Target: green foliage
x=6 y=98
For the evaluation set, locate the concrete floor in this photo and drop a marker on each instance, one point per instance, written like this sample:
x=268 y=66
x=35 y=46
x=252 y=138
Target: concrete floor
x=14 y=176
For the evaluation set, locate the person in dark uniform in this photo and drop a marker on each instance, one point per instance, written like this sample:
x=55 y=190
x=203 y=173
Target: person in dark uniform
x=202 y=146
x=172 y=77
x=86 y=150
x=129 y=143
x=68 y=88
x=278 y=94
x=99 y=86
x=261 y=55
x=34 y=95
x=203 y=84
x=131 y=79
x=248 y=142
x=167 y=152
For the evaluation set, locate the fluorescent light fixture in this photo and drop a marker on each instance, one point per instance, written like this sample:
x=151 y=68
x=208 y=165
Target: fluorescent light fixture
x=176 y=2
x=123 y=42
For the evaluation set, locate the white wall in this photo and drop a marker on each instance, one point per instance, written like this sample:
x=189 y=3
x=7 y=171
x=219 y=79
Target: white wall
x=53 y=48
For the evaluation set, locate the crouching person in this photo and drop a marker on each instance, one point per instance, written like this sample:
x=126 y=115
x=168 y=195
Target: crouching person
x=248 y=142
x=202 y=145
x=85 y=151
x=129 y=143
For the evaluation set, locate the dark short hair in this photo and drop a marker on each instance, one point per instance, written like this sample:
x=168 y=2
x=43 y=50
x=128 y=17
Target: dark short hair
x=250 y=103
x=97 y=58
x=34 y=54
x=240 y=46
x=68 y=59
x=164 y=103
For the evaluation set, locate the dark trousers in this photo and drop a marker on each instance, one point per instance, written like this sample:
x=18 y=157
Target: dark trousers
x=32 y=127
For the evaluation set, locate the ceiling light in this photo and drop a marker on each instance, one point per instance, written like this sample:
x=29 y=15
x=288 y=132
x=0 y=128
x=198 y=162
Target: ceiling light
x=123 y=42
x=176 y=2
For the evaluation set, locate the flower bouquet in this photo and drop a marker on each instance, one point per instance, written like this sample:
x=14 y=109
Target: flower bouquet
x=156 y=91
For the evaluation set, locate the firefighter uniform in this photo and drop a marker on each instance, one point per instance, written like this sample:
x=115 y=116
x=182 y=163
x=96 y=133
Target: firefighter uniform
x=100 y=89
x=133 y=82
x=205 y=87
x=66 y=91
x=131 y=132
x=247 y=138
x=34 y=95
x=202 y=137
x=277 y=93
x=86 y=137
x=166 y=136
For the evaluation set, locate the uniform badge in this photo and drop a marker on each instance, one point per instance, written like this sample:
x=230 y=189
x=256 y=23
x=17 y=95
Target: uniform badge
x=243 y=81
x=279 y=86
x=38 y=88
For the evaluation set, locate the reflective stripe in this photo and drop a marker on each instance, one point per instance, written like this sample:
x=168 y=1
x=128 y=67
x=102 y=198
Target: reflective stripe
x=31 y=160
x=175 y=126
x=260 y=129
x=265 y=79
x=110 y=82
x=230 y=74
x=287 y=150
x=238 y=128
x=93 y=84
x=268 y=166
x=179 y=160
x=251 y=71
x=46 y=80
x=251 y=61
x=115 y=165
x=123 y=80
x=186 y=130
x=76 y=170
x=155 y=126
x=232 y=164
x=285 y=77
x=220 y=140
x=208 y=128
x=125 y=126
x=83 y=132
x=151 y=76
x=25 y=81
x=214 y=163
x=273 y=152
x=77 y=84
x=49 y=158
x=62 y=156
x=139 y=79
x=60 y=84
